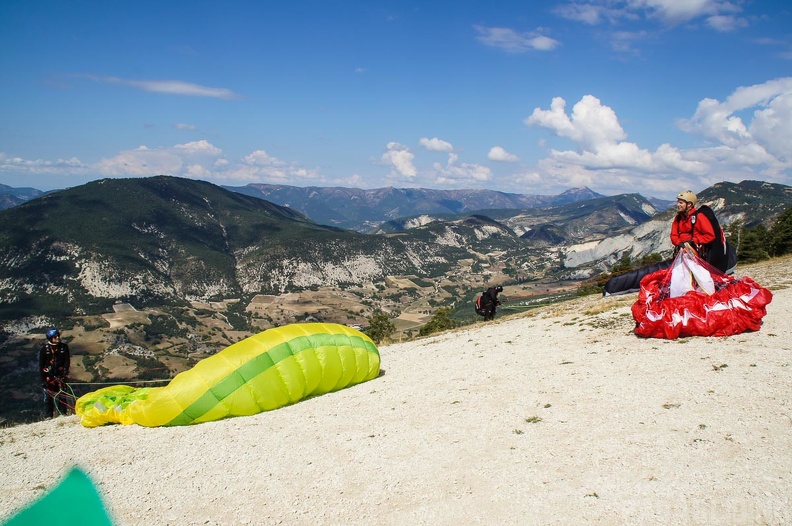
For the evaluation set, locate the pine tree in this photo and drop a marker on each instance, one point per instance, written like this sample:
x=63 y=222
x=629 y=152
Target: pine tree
x=625 y=264
x=781 y=234
x=754 y=245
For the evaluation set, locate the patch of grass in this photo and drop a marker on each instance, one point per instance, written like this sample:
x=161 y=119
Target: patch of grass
x=719 y=367
x=518 y=431
x=533 y=420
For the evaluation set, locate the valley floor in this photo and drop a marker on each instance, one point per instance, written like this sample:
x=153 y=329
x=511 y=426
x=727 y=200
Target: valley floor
x=559 y=416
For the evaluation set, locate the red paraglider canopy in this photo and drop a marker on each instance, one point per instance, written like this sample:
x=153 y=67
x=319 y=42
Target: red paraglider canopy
x=691 y=298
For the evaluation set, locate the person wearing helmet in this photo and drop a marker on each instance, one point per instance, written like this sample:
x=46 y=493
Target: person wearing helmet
x=688 y=227
x=489 y=302
x=54 y=362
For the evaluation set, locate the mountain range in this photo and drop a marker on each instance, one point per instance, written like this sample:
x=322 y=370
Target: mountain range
x=167 y=240
x=150 y=274
x=364 y=210
x=748 y=203
x=10 y=196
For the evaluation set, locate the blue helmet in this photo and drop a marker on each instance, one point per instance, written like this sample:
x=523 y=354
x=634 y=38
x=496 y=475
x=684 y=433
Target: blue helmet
x=51 y=333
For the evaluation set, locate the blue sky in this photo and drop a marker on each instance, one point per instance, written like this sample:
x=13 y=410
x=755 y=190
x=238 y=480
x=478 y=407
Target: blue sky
x=649 y=96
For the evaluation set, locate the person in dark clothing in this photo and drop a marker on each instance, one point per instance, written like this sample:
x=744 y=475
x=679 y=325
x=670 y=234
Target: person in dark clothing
x=54 y=361
x=489 y=302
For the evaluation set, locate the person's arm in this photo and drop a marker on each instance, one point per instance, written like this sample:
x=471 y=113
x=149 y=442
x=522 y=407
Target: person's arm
x=42 y=361
x=676 y=237
x=703 y=232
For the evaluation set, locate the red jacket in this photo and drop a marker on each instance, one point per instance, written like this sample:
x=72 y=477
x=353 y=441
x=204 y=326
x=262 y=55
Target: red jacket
x=682 y=229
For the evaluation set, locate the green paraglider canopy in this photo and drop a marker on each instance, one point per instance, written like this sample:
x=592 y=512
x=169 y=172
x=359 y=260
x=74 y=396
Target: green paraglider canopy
x=73 y=502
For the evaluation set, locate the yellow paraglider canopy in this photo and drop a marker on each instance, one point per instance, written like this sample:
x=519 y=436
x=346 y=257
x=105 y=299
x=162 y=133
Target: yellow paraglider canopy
x=268 y=370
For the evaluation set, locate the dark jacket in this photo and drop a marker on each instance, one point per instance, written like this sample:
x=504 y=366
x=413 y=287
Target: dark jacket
x=54 y=362
x=489 y=299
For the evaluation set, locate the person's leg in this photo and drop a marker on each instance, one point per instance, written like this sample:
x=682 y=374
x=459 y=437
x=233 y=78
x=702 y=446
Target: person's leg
x=49 y=404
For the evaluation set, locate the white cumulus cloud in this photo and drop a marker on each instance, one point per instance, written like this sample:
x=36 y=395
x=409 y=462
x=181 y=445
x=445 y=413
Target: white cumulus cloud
x=436 y=145
x=196 y=160
x=461 y=175
x=401 y=159
x=142 y=161
x=591 y=125
x=769 y=129
x=747 y=136
x=499 y=154
x=202 y=147
x=603 y=154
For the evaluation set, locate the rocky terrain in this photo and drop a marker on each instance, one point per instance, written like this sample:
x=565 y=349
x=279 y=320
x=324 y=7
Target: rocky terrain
x=560 y=415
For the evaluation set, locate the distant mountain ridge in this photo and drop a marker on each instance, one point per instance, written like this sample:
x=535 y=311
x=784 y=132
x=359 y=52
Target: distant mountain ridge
x=750 y=202
x=10 y=196
x=364 y=210
x=167 y=240
x=555 y=224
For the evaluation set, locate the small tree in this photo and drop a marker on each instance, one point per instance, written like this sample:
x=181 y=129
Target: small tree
x=441 y=321
x=649 y=259
x=380 y=327
x=623 y=265
x=754 y=245
x=781 y=234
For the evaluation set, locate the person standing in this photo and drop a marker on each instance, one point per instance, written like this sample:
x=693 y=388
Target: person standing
x=489 y=302
x=700 y=228
x=54 y=361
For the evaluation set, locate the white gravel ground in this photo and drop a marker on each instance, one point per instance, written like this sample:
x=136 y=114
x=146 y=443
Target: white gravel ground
x=561 y=416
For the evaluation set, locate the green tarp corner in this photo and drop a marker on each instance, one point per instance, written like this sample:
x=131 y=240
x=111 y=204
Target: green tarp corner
x=73 y=502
